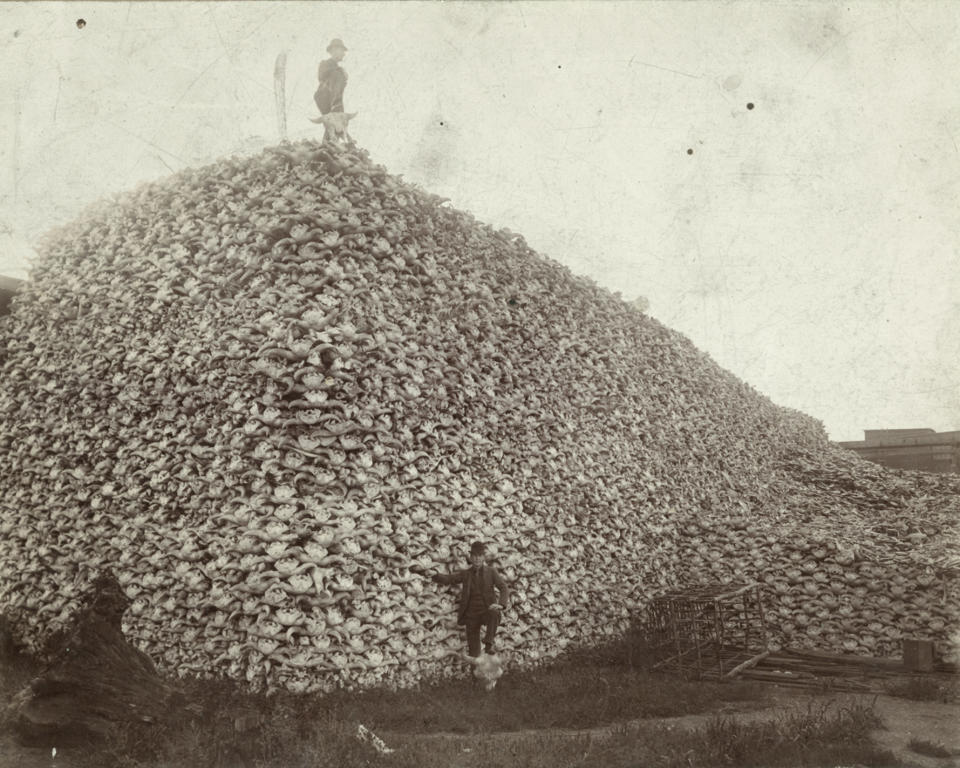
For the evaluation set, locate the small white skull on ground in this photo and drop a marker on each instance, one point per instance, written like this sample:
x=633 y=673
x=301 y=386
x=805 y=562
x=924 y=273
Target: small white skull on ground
x=487 y=668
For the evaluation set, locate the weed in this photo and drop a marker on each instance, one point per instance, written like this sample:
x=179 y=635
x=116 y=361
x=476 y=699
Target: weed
x=820 y=735
x=925 y=689
x=928 y=748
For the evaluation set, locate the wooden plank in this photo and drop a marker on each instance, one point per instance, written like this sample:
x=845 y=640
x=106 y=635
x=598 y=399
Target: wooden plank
x=865 y=661
x=752 y=662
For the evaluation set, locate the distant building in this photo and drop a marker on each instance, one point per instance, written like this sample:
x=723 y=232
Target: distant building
x=922 y=449
x=8 y=287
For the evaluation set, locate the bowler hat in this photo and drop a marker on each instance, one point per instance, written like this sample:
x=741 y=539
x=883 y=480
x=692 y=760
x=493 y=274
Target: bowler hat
x=336 y=43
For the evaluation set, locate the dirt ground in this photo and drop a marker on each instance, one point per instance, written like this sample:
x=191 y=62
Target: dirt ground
x=923 y=720
x=903 y=719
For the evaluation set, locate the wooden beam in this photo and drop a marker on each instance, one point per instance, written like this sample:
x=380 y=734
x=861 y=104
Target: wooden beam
x=747 y=664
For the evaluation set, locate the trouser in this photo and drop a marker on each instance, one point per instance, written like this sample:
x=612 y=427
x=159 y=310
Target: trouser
x=474 y=622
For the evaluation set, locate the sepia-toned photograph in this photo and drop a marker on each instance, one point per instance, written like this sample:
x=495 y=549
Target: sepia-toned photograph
x=544 y=384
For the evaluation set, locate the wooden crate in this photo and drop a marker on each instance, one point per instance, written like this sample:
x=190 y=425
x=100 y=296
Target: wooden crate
x=918 y=654
x=708 y=631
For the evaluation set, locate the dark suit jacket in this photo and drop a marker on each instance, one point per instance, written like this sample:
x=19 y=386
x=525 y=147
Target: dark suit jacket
x=488 y=577
x=329 y=93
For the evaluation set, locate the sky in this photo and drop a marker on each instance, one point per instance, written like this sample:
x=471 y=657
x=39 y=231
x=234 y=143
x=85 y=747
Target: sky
x=781 y=181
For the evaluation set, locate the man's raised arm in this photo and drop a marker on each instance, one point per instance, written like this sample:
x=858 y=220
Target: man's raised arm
x=449 y=578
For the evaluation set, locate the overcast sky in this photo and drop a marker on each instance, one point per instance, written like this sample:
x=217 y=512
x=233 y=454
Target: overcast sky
x=808 y=244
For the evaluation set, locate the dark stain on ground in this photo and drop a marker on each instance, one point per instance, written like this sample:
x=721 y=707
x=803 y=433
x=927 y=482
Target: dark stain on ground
x=689 y=151
x=750 y=105
x=81 y=23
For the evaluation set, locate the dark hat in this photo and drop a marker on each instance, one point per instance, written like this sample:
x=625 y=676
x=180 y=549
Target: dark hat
x=478 y=548
x=336 y=43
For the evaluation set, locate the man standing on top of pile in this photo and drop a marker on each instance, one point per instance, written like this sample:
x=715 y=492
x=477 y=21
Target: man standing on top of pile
x=329 y=95
x=333 y=79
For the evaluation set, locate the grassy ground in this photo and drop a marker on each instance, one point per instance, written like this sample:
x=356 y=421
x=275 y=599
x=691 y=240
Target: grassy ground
x=562 y=696
x=926 y=688
x=518 y=724
x=822 y=736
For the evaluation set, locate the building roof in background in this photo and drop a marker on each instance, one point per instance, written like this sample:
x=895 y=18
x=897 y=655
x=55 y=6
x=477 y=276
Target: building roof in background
x=9 y=284
x=894 y=434
x=880 y=438
x=8 y=287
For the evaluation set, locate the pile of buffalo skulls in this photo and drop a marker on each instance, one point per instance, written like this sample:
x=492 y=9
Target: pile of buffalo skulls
x=275 y=394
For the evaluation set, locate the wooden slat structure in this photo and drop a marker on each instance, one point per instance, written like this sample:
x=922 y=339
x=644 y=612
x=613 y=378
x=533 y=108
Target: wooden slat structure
x=710 y=631
x=806 y=668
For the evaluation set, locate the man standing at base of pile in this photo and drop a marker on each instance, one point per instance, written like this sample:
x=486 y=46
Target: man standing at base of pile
x=478 y=603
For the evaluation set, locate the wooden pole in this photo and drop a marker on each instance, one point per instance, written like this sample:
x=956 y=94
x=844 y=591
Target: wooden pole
x=279 y=87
